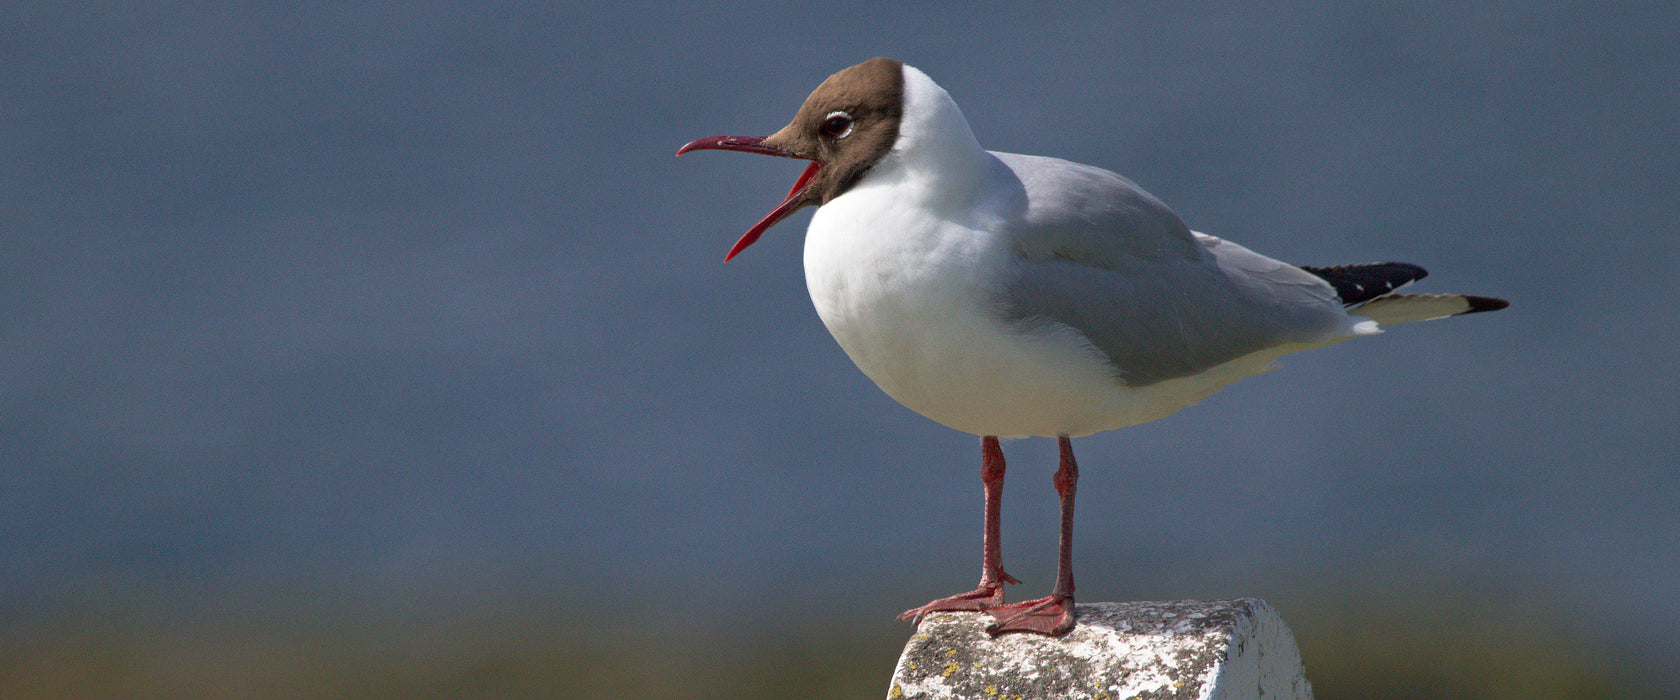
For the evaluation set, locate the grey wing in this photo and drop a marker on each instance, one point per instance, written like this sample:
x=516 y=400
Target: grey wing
x=1092 y=216
x=1111 y=262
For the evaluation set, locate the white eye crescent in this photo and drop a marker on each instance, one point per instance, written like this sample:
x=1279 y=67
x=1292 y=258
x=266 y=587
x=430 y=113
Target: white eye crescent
x=837 y=125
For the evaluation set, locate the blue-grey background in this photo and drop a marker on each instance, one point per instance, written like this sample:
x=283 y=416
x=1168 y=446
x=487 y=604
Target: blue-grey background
x=403 y=306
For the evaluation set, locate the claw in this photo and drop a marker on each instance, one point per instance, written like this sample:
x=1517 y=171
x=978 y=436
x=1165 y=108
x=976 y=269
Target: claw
x=1051 y=616
x=978 y=600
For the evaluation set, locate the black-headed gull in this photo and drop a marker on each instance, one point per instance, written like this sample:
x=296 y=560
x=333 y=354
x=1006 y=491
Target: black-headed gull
x=1011 y=295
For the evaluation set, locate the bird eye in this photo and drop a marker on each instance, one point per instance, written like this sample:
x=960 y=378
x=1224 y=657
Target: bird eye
x=837 y=125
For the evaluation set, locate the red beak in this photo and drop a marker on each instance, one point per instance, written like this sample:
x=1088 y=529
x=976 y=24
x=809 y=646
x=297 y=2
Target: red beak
x=754 y=144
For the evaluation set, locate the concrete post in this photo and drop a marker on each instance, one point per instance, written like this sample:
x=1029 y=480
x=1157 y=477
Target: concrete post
x=1206 y=650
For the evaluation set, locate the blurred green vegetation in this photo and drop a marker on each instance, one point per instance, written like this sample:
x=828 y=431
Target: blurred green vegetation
x=516 y=648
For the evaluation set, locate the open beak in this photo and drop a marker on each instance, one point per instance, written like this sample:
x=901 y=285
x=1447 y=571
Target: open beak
x=755 y=144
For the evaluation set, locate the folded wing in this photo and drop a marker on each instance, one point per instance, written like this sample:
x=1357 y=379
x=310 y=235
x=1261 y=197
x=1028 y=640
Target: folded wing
x=1098 y=255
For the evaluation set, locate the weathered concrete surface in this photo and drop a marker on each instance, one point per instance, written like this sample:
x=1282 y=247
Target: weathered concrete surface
x=1209 y=650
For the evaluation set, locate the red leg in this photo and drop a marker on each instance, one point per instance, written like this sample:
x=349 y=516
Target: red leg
x=1051 y=615
x=989 y=593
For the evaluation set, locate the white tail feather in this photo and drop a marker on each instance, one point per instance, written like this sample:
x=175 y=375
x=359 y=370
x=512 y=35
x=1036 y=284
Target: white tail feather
x=1405 y=308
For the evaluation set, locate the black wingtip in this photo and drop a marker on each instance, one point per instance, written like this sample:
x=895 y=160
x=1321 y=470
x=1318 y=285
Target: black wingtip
x=1357 y=284
x=1479 y=304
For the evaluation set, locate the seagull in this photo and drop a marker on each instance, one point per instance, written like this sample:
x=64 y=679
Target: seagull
x=1009 y=295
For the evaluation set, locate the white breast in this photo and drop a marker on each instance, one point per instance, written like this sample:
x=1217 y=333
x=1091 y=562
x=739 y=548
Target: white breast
x=907 y=296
